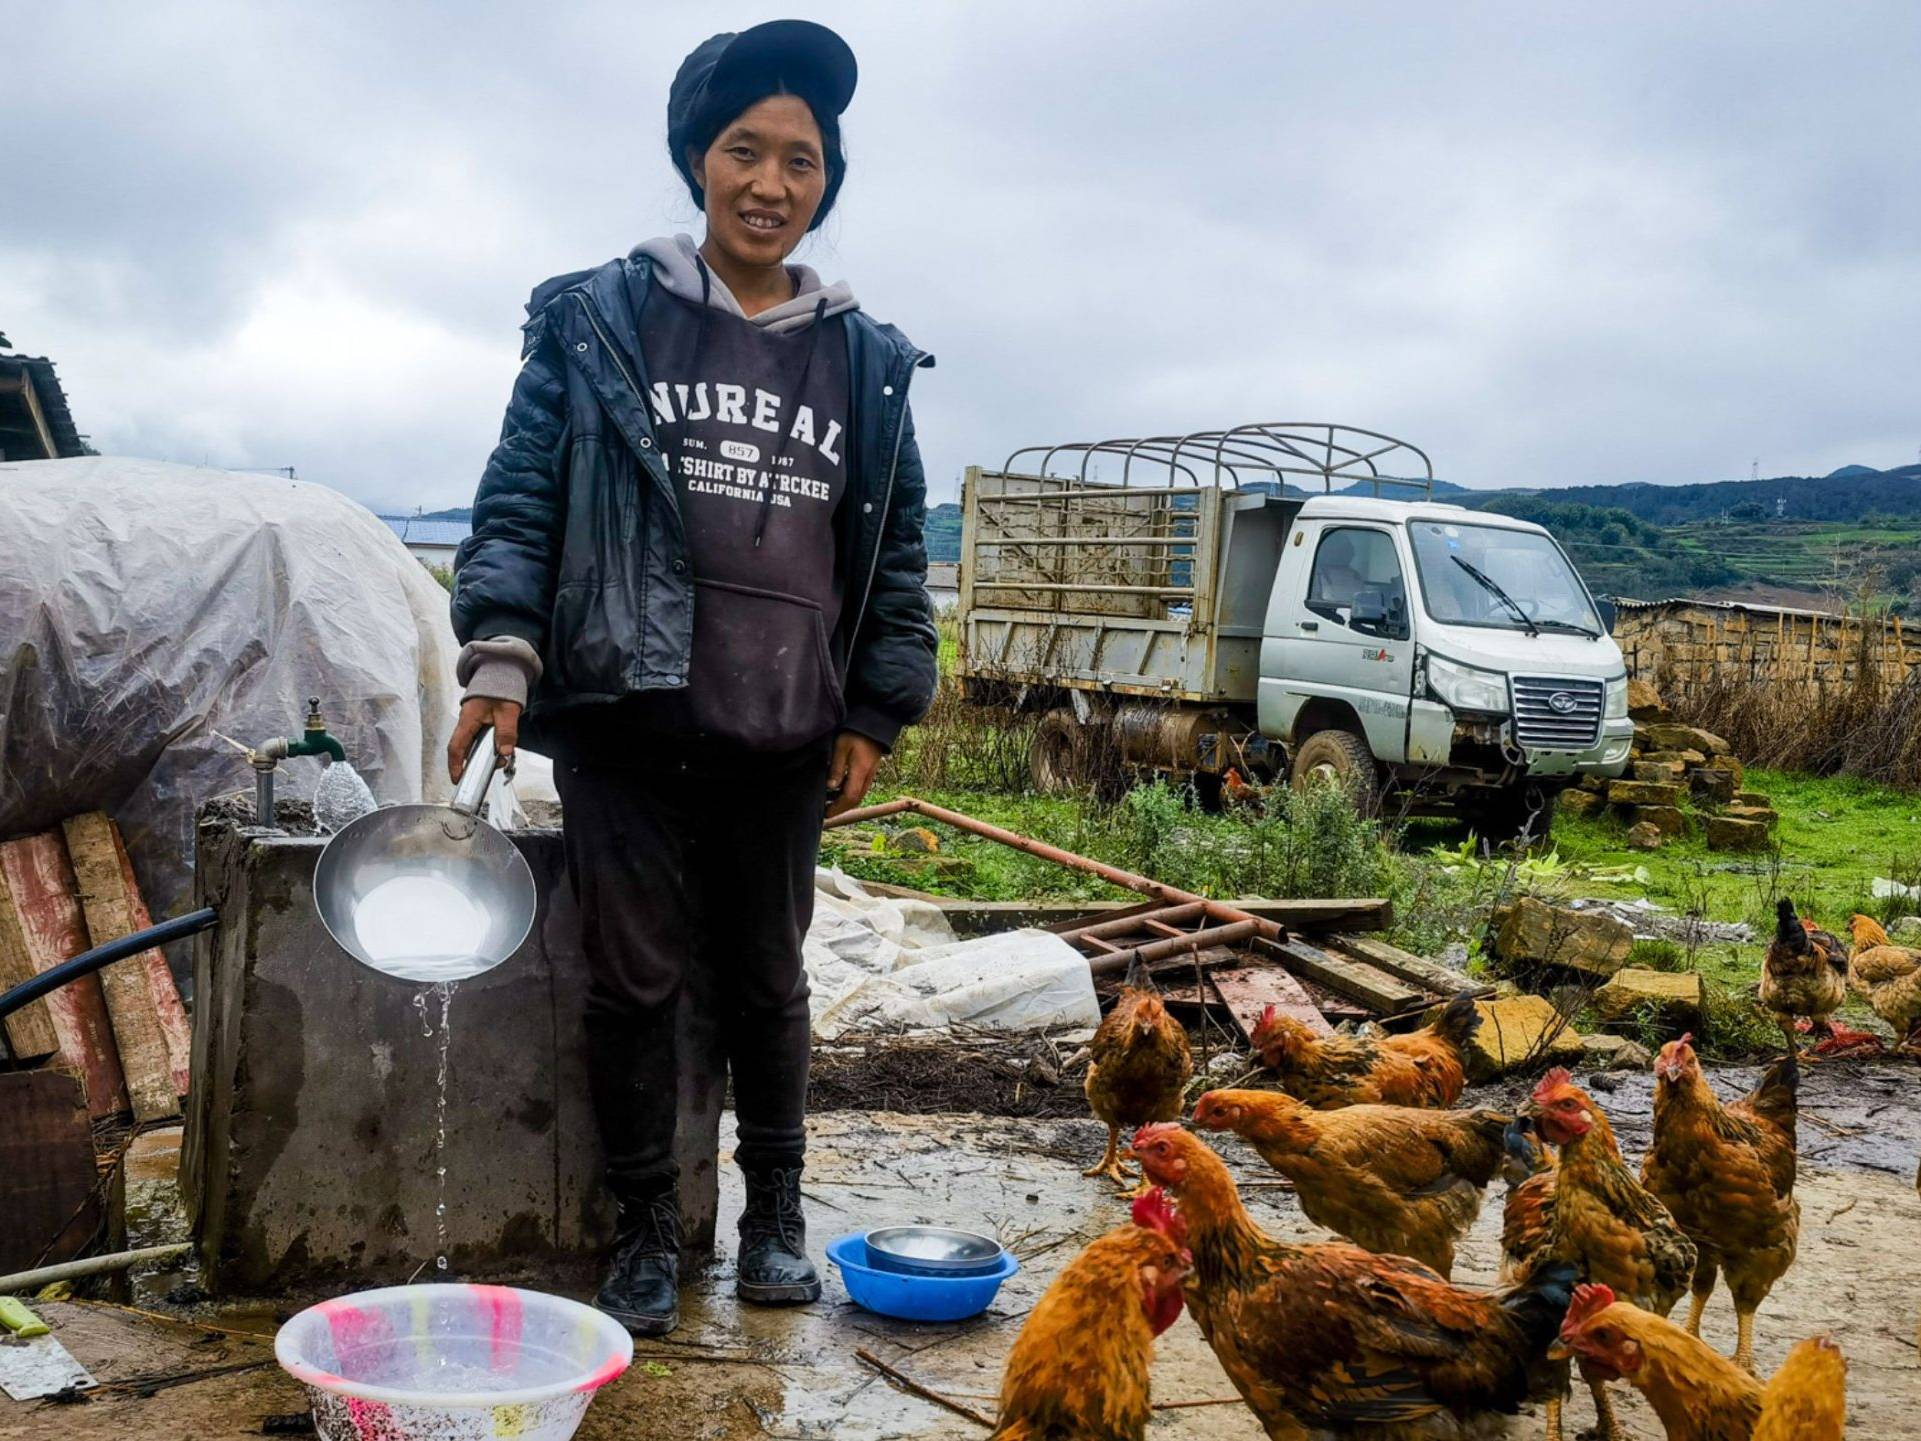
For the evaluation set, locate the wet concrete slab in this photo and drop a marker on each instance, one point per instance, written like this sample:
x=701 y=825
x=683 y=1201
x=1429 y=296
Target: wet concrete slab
x=740 y=1372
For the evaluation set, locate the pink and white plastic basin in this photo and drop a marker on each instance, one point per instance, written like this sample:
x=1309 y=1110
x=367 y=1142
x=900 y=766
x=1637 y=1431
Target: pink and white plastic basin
x=451 y=1363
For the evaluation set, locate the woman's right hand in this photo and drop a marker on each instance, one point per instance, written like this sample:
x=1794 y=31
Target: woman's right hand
x=476 y=714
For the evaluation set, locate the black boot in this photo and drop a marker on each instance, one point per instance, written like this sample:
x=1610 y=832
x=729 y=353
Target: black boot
x=774 y=1269
x=642 y=1289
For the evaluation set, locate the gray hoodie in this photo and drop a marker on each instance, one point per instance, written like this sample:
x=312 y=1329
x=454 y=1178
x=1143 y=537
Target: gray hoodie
x=506 y=668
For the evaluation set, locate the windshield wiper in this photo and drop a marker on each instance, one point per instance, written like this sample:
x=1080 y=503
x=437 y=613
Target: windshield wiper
x=1527 y=621
x=1568 y=626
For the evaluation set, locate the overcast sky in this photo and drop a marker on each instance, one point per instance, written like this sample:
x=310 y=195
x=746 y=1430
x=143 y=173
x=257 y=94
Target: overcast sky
x=1552 y=244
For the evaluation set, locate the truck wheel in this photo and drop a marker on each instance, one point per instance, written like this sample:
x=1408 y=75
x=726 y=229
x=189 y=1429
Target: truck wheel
x=1057 y=755
x=1342 y=757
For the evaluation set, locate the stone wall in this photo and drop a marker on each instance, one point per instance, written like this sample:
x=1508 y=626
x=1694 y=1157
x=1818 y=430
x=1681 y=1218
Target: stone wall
x=309 y=1147
x=1677 y=644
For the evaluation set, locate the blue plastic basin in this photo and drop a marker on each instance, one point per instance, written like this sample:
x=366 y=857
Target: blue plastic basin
x=915 y=1298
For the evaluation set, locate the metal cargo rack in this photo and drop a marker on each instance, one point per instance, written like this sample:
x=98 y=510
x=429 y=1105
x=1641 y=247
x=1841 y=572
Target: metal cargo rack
x=1141 y=566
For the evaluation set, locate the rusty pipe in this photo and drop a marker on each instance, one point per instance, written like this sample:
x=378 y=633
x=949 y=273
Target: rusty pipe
x=1113 y=875
x=1119 y=961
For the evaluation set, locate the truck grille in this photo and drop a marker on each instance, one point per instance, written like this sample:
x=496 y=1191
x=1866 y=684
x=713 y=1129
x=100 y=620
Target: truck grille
x=1557 y=715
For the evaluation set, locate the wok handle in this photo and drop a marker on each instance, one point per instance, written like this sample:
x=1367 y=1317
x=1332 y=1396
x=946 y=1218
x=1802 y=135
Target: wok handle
x=482 y=761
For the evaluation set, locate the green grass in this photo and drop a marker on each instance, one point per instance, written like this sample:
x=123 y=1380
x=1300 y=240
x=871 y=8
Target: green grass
x=1835 y=836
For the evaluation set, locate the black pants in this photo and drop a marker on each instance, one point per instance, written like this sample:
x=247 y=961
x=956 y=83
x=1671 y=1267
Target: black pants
x=695 y=856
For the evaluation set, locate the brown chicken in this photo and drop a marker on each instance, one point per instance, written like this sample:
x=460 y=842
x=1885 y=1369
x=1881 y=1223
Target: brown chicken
x=1331 y=1341
x=1888 y=978
x=1726 y=1173
x=1529 y=1168
x=1807 y=1400
x=1139 y=1066
x=1397 y=1180
x=1604 y=1222
x=1803 y=974
x=1698 y=1394
x=1078 y=1370
x=1422 y=1068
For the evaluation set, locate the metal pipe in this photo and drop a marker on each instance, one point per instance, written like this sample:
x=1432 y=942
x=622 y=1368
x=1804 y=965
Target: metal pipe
x=90 y=1266
x=1119 y=961
x=87 y=962
x=1114 y=875
x=263 y=811
x=1124 y=925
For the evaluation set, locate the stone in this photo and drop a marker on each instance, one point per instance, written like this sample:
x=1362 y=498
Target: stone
x=1731 y=833
x=1576 y=802
x=1645 y=836
x=1666 y=736
x=1674 y=998
x=1688 y=759
x=1644 y=793
x=1714 y=783
x=1660 y=772
x=1905 y=930
x=1751 y=798
x=1596 y=783
x=1763 y=814
x=1615 y=1053
x=1533 y=932
x=1513 y=1034
x=916 y=840
x=1645 y=703
x=1668 y=820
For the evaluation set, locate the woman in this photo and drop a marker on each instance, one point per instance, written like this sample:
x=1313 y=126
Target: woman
x=697 y=562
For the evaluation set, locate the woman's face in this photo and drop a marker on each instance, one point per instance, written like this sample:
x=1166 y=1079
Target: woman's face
x=764 y=177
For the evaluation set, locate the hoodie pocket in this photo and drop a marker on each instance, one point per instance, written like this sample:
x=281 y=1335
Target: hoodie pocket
x=761 y=673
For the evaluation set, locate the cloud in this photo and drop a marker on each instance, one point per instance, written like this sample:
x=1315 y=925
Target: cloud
x=1549 y=247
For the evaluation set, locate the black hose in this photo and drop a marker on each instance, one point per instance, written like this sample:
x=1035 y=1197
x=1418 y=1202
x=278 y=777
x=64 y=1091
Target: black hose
x=87 y=962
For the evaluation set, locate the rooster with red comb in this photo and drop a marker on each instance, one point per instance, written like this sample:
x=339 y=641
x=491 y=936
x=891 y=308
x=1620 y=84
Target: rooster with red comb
x=1698 y=1395
x=1079 y=1367
x=1427 y=1067
x=1727 y=1175
x=1603 y=1221
x=1331 y=1341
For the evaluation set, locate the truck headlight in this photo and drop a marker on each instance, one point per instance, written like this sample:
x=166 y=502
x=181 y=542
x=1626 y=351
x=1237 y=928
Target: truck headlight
x=1465 y=688
x=1617 y=699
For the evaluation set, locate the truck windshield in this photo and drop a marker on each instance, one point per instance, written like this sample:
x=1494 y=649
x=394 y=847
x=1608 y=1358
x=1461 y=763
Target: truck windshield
x=1490 y=575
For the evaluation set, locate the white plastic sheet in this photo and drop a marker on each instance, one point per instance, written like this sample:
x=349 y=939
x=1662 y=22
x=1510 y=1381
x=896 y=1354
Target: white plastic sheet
x=876 y=961
x=148 y=608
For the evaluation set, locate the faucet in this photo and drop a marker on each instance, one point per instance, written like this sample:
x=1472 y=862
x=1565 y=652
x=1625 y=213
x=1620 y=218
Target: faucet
x=314 y=741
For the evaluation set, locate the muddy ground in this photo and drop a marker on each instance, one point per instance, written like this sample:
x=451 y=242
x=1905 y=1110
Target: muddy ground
x=736 y=1373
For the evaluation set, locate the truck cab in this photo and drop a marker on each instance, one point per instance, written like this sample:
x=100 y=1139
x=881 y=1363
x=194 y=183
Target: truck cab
x=1430 y=645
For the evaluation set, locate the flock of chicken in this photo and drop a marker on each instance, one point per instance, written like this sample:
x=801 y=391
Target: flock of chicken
x=1372 y=1340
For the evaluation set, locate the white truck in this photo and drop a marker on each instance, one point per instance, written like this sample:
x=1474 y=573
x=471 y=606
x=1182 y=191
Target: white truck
x=1186 y=604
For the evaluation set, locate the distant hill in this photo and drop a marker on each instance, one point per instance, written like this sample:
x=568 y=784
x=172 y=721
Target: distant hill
x=1851 y=493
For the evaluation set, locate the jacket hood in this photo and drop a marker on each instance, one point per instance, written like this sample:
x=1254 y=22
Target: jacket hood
x=675 y=266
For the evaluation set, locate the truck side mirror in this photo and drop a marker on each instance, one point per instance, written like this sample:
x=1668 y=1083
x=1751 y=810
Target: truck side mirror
x=1608 y=612
x=1369 y=608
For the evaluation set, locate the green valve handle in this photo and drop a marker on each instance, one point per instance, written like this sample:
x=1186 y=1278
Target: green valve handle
x=15 y=1317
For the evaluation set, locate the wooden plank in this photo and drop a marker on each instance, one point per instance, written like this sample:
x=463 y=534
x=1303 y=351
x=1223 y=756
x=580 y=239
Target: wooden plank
x=47 y=1170
x=130 y=1008
x=30 y=1032
x=40 y=887
x=1376 y=989
x=160 y=983
x=1249 y=990
x=1415 y=970
x=1356 y=913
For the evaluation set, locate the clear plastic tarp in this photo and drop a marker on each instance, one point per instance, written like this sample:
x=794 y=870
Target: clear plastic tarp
x=874 y=961
x=156 y=618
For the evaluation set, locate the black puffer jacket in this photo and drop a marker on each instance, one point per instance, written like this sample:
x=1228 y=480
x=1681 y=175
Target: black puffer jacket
x=578 y=547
